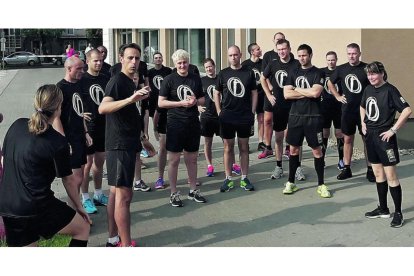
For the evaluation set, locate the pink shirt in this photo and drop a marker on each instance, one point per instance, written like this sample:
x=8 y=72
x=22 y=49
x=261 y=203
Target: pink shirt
x=70 y=52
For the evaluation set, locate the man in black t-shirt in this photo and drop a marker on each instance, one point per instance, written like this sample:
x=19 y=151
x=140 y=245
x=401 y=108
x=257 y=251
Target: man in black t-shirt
x=180 y=93
x=380 y=102
x=34 y=154
x=235 y=98
x=304 y=87
x=72 y=119
x=93 y=84
x=255 y=64
x=105 y=70
x=331 y=110
x=122 y=142
x=353 y=82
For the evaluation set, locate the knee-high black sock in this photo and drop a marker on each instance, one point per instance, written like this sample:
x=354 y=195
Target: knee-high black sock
x=382 y=189
x=78 y=243
x=318 y=162
x=325 y=145
x=396 y=194
x=340 y=145
x=293 y=165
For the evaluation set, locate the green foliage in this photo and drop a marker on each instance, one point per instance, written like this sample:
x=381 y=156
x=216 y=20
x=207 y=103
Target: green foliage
x=42 y=34
x=94 y=36
x=57 y=241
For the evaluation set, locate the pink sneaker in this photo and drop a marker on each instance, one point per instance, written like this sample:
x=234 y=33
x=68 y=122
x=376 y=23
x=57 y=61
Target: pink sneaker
x=265 y=154
x=210 y=171
x=236 y=169
x=133 y=244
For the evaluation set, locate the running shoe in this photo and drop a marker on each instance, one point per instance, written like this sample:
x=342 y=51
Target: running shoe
x=144 y=153
x=227 y=185
x=175 y=200
x=323 y=191
x=246 y=185
x=159 y=184
x=300 y=175
x=286 y=154
x=397 y=220
x=266 y=153
x=378 y=213
x=277 y=173
x=290 y=188
x=89 y=206
x=341 y=165
x=261 y=146
x=345 y=174
x=236 y=169
x=101 y=200
x=196 y=196
x=141 y=186
x=210 y=171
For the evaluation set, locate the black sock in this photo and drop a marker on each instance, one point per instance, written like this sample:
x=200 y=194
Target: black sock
x=269 y=147
x=318 y=162
x=78 y=243
x=293 y=165
x=382 y=189
x=299 y=163
x=340 y=146
x=279 y=163
x=347 y=167
x=325 y=145
x=369 y=168
x=396 y=194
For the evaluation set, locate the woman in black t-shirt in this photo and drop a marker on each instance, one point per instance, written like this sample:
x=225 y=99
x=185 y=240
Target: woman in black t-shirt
x=380 y=102
x=34 y=154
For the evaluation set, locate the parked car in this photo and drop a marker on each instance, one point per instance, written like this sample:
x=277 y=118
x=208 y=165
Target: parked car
x=22 y=58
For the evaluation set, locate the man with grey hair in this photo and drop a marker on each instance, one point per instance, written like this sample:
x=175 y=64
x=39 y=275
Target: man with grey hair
x=180 y=93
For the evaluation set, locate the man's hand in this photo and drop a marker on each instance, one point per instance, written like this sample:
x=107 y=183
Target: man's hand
x=87 y=116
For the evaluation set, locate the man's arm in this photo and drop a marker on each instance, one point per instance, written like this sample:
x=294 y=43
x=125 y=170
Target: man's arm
x=266 y=88
x=109 y=105
x=290 y=94
x=217 y=101
x=254 y=101
x=313 y=92
x=334 y=91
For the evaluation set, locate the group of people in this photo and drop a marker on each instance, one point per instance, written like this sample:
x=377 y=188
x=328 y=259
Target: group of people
x=103 y=115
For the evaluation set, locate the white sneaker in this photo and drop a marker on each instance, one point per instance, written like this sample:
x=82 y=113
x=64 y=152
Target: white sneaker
x=300 y=174
x=277 y=173
x=290 y=188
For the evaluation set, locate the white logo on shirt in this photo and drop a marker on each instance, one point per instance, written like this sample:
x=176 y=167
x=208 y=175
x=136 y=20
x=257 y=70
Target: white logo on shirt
x=280 y=77
x=302 y=82
x=256 y=75
x=157 y=80
x=353 y=84
x=96 y=92
x=77 y=104
x=183 y=91
x=236 y=87
x=402 y=99
x=327 y=88
x=210 y=91
x=372 y=109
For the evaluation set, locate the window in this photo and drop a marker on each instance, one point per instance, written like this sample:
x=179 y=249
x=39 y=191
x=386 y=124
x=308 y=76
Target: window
x=126 y=36
x=70 y=31
x=149 y=43
x=196 y=42
x=218 y=49
x=231 y=37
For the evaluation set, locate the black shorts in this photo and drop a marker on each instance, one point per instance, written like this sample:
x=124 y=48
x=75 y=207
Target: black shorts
x=120 y=165
x=78 y=155
x=260 y=103
x=305 y=127
x=24 y=231
x=280 y=119
x=267 y=106
x=331 y=112
x=229 y=130
x=183 y=135
x=350 y=122
x=98 y=144
x=162 y=123
x=152 y=106
x=209 y=126
x=382 y=152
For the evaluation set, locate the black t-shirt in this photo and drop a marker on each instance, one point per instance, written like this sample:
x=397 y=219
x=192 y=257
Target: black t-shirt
x=176 y=88
x=257 y=69
x=353 y=82
x=305 y=78
x=271 y=55
x=191 y=69
x=156 y=77
x=31 y=163
x=236 y=88
x=72 y=111
x=142 y=70
x=209 y=84
x=326 y=94
x=123 y=127
x=381 y=104
x=106 y=70
x=277 y=72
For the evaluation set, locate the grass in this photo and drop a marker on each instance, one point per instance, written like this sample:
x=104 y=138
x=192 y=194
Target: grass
x=57 y=241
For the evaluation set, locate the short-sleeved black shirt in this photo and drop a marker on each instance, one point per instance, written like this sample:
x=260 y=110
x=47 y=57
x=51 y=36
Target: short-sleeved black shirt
x=123 y=127
x=209 y=84
x=257 y=70
x=236 y=88
x=381 y=104
x=271 y=55
x=326 y=94
x=156 y=77
x=142 y=70
x=353 y=82
x=31 y=163
x=277 y=72
x=176 y=88
x=305 y=78
x=93 y=91
x=72 y=111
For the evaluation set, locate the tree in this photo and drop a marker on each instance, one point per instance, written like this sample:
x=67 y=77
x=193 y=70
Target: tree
x=94 y=36
x=43 y=35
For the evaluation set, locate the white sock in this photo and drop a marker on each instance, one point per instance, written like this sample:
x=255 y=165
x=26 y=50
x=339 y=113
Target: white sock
x=98 y=192
x=228 y=177
x=113 y=240
x=243 y=176
x=85 y=196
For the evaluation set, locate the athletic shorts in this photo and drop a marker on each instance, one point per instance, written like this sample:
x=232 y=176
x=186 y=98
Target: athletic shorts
x=267 y=106
x=350 y=122
x=331 y=113
x=120 y=165
x=260 y=103
x=78 y=155
x=280 y=119
x=229 y=130
x=183 y=135
x=24 y=231
x=98 y=144
x=305 y=127
x=381 y=152
x=162 y=123
x=209 y=126
x=152 y=106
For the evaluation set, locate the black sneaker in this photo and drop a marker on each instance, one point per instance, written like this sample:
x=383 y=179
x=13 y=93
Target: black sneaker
x=196 y=196
x=397 y=220
x=378 y=213
x=370 y=175
x=141 y=186
x=175 y=200
x=344 y=174
x=261 y=146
